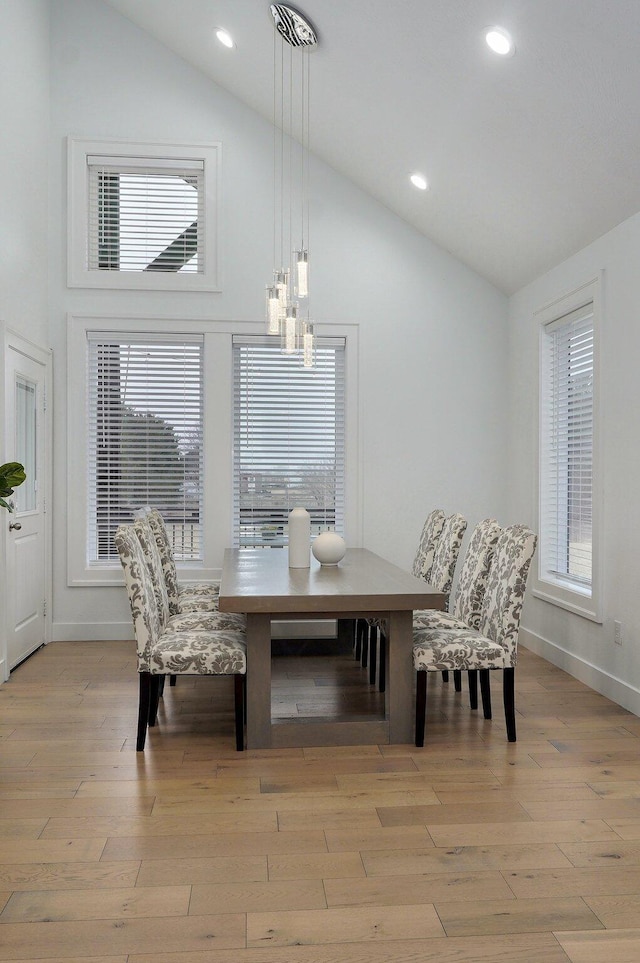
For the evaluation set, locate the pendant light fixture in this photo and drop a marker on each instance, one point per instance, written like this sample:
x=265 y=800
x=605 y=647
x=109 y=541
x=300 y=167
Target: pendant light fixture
x=294 y=37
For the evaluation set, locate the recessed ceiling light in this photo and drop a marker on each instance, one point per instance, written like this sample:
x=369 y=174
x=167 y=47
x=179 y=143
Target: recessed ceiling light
x=225 y=37
x=500 y=41
x=419 y=181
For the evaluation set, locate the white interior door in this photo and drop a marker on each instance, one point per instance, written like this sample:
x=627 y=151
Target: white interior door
x=26 y=537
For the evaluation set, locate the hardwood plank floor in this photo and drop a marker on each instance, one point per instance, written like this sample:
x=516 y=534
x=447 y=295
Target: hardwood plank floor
x=471 y=850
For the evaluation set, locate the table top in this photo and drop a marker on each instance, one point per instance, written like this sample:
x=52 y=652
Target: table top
x=260 y=581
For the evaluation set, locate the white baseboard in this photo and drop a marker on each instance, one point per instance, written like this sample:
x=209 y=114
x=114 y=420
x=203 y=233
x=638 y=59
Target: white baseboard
x=91 y=631
x=121 y=631
x=619 y=691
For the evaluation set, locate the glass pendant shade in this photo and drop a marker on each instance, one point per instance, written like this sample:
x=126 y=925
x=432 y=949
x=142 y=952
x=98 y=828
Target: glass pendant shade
x=302 y=274
x=308 y=345
x=273 y=310
x=290 y=330
x=282 y=286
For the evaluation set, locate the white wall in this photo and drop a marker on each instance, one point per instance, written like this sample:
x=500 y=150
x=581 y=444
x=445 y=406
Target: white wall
x=432 y=333
x=24 y=129
x=585 y=648
x=24 y=121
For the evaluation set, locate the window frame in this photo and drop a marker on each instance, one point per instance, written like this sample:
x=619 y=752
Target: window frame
x=217 y=506
x=585 y=602
x=78 y=273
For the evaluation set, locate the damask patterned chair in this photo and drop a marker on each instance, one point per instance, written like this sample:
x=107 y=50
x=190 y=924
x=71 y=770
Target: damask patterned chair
x=199 y=611
x=495 y=644
x=188 y=596
x=206 y=619
x=431 y=532
x=440 y=574
x=367 y=629
x=166 y=649
x=467 y=603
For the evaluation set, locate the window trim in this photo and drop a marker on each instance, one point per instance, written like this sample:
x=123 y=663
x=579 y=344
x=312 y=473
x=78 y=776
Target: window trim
x=78 y=273
x=218 y=437
x=570 y=597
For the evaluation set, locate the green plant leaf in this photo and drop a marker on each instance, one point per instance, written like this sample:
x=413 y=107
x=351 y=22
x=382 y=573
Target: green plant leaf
x=12 y=474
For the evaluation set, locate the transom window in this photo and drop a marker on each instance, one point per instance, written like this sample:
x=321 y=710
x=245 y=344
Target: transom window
x=143 y=216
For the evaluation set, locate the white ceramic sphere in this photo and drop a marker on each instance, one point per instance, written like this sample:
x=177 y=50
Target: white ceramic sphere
x=328 y=548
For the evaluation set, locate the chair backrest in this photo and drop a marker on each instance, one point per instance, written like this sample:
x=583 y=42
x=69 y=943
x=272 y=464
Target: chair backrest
x=447 y=552
x=474 y=572
x=423 y=562
x=502 y=606
x=142 y=599
x=151 y=554
x=159 y=529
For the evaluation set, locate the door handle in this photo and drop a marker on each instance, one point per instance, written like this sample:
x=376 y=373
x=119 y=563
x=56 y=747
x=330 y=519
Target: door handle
x=15 y=526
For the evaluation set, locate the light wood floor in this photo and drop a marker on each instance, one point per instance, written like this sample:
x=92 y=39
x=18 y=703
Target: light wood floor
x=470 y=849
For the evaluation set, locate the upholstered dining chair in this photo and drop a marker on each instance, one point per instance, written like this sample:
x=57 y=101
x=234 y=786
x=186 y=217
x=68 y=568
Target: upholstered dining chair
x=204 y=618
x=466 y=607
x=431 y=532
x=188 y=596
x=367 y=629
x=495 y=644
x=171 y=650
x=196 y=615
x=440 y=574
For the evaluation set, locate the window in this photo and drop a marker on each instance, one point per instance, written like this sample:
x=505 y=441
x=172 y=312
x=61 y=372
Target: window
x=142 y=216
x=145 y=218
x=288 y=439
x=568 y=508
x=144 y=437
x=142 y=389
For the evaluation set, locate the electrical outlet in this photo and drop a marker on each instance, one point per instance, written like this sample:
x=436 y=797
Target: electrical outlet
x=617 y=633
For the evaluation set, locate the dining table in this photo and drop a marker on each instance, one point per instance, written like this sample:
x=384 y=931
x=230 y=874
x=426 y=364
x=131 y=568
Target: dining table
x=259 y=583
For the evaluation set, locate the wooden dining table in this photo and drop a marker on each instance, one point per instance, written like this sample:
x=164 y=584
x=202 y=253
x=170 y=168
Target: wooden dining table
x=259 y=583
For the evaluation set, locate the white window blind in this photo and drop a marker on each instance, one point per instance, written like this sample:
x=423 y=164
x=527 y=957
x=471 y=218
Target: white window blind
x=146 y=214
x=144 y=397
x=289 y=439
x=566 y=465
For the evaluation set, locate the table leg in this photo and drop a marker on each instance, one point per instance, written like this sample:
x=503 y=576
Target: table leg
x=399 y=690
x=258 y=681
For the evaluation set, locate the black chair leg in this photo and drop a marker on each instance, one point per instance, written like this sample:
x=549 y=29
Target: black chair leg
x=508 y=693
x=143 y=709
x=154 y=698
x=382 y=659
x=172 y=679
x=361 y=628
x=373 y=653
x=473 y=688
x=364 y=652
x=457 y=680
x=239 y=710
x=485 y=689
x=421 y=707
x=445 y=675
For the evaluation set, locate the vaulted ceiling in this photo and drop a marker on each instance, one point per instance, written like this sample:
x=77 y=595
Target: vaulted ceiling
x=529 y=158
